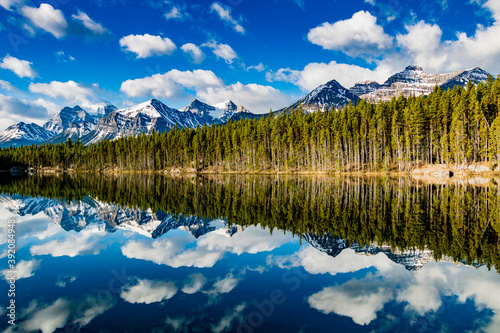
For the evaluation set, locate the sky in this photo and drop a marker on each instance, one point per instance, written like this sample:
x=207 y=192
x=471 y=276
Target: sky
x=262 y=54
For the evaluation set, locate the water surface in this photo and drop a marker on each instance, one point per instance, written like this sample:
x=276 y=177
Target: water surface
x=145 y=253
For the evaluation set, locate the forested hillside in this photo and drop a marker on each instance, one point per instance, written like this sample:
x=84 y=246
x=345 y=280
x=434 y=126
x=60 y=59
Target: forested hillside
x=457 y=126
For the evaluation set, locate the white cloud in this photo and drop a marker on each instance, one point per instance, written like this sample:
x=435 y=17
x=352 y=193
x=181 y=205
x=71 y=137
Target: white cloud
x=255 y=97
x=47 y=18
x=174 y=13
x=89 y=23
x=359 y=35
x=61 y=56
x=194 y=283
x=259 y=68
x=184 y=250
x=226 y=322
x=225 y=15
x=13 y=110
x=5 y=85
x=315 y=74
x=360 y=300
x=223 y=51
x=194 y=51
x=207 y=86
x=24 y=269
x=70 y=91
x=225 y=285
x=48 y=318
x=148 y=291
x=147 y=45
x=10 y=4
x=419 y=291
x=422 y=42
x=87 y=241
x=170 y=84
x=62 y=281
x=21 y=68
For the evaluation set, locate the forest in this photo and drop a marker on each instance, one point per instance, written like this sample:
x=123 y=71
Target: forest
x=459 y=126
x=458 y=221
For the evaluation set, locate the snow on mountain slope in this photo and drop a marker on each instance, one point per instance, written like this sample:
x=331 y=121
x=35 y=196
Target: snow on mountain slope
x=208 y=114
x=61 y=120
x=324 y=97
x=412 y=260
x=141 y=118
x=24 y=134
x=414 y=81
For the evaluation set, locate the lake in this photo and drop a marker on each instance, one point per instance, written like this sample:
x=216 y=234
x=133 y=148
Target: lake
x=241 y=253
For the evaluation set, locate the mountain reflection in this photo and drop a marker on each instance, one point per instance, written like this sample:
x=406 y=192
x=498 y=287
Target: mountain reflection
x=412 y=223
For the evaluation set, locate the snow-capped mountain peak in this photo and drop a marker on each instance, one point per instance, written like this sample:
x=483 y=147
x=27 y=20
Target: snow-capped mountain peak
x=227 y=106
x=324 y=97
x=61 y=120
x=23 y=134
x=204 y=110
x=414 y=81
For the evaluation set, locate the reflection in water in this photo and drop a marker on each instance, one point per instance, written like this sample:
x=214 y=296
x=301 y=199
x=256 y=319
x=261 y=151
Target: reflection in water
x=206 y=253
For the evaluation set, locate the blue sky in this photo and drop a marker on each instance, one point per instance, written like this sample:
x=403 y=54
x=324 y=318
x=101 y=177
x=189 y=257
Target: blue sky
x=261 y=54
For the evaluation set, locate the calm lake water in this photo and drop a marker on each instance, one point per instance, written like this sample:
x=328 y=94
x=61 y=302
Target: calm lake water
x=144 y=253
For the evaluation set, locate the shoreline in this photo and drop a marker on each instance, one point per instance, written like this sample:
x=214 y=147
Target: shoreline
x=434 y=171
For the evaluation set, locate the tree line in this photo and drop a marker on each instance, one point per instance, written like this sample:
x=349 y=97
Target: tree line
x=459 y=221
x=459 y=126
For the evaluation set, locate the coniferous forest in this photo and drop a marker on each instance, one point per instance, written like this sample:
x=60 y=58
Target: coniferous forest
x=458 y=126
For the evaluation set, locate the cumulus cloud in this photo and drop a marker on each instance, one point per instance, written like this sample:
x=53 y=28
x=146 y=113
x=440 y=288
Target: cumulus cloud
x=225 y=15
x=170 y=84
x=24 y=269
x=148 y=291
x=422 y=42
x=315 y=74
x=420 y=292
x=207 y=86
x=21 y=68
x=88 y=241
x=194 y=283
x=89 y=23
x=223 y=51
x=359 y=35
x=184 y=250
x=43 y=317
x=46 y=18
x=194 y=51
x=147 y=45
x=70 y=91
x=255 y=97
x=360 y=300
x=10 y=4
x=225 y=285
x=13 y=109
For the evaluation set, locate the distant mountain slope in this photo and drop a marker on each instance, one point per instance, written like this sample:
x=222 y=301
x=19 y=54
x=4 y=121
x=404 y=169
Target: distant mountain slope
x=414 y=81
x=24 y=134
x=324 y=97
x=61 y=120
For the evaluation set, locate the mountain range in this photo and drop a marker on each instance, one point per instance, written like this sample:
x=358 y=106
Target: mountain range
x=105 y=121
x=78 y=215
